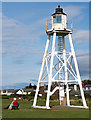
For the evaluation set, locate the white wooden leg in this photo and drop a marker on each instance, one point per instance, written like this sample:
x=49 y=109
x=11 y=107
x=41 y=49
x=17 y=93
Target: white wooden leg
x=42 y=66
x=50 y=74
x=77 y=71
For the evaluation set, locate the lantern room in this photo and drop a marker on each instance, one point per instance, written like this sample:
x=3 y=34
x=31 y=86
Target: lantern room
x=59 y=19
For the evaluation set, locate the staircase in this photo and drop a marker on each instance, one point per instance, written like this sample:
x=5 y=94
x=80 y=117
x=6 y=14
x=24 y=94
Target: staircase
x=60 y=49
x=60 y=44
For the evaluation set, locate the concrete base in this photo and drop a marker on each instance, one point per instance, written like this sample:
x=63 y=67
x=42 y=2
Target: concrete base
x=43 y=107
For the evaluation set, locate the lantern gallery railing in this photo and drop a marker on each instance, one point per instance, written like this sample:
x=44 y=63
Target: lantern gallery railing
x=49 y=24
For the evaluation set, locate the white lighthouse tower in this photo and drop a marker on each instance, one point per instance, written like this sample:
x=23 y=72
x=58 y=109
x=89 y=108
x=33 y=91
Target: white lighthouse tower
x=60 y=65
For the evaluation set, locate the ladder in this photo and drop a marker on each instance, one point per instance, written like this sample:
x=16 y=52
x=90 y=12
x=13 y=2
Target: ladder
x=60 y=51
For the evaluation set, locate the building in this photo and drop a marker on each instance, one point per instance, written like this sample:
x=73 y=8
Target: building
x=7 y=92
x=19 y=92
x=87 y=87
x=26 y=91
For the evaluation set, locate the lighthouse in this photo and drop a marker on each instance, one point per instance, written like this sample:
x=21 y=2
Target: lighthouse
x=57 y=65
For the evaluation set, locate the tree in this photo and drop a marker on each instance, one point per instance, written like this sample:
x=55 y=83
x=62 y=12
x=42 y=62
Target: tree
x=34 y=86
x=32 y=93
x=27 y=87
x=30 y=86
x=87 y=82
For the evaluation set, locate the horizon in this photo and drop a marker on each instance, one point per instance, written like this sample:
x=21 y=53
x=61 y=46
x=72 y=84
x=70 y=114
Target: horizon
x=28 y=85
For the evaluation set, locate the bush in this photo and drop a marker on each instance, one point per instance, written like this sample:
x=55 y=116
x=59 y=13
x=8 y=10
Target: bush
x=5 y=97
x=54 y=97
x=32 y=93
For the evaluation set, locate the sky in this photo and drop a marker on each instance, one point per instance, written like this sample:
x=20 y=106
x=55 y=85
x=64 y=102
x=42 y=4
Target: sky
x=24 y=39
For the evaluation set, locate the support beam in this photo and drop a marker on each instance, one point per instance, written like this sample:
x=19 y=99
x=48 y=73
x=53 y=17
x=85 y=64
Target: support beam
x=77 y=70
x=68 y=81
x=66 y=74
x=51 y=66
x=70 y=67
x=43 y=62
x=42 y=107
x=77 y=106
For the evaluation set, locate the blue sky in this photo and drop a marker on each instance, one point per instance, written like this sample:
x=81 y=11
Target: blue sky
x=24 y=39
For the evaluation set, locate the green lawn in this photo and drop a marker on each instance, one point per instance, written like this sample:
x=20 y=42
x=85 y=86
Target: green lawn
x=26 y=111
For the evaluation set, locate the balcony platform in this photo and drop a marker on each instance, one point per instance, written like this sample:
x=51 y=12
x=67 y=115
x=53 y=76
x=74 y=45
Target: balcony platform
x=59 y=32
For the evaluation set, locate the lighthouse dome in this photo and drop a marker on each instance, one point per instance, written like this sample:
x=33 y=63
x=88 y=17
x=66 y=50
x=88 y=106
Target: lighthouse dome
x=59 y=11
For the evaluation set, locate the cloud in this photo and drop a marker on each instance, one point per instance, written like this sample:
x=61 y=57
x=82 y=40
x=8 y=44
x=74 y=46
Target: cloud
x=21 y=45
x=18 y=61
x=21 y=39
x=73 y=11
x=83 y=63
x=81 y=36
x=18 y=76
x=81 y=52
x=16 y=85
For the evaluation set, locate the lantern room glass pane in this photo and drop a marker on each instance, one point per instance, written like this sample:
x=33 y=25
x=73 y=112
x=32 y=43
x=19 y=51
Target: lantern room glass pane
x=54 y=19
x=58 y=19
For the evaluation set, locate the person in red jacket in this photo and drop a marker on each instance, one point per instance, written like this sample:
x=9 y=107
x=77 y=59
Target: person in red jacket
x=14 y=105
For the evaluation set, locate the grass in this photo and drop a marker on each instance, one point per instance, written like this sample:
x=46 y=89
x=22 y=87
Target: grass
x=26 y=111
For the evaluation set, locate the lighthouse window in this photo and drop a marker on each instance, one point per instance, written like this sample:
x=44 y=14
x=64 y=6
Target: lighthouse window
x=58 y=19
x=54 y=19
